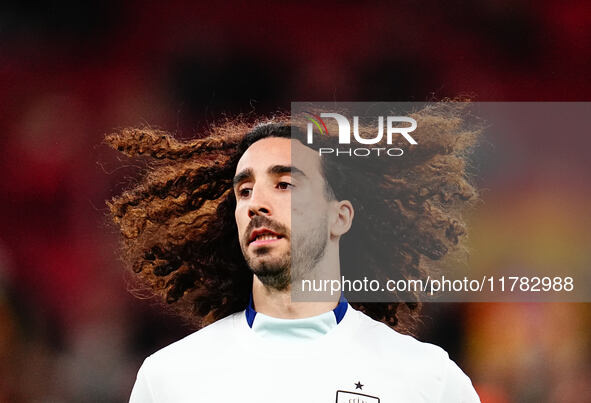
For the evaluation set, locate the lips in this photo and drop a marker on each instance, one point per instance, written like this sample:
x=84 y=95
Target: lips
x=263 y=235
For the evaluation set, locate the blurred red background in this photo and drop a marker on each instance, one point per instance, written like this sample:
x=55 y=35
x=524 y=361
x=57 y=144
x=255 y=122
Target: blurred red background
x=72 y=71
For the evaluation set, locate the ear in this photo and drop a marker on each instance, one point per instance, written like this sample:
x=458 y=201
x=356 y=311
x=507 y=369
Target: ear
x=343 y=218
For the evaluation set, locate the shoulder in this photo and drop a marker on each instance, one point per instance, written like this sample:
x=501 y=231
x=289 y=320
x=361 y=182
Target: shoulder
x=389 y=341
x=422 y=361
x=166 y=374
x=457 y=386
x=208 y=341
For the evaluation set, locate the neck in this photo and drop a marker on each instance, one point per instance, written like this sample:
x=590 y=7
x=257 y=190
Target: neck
x=278 y=304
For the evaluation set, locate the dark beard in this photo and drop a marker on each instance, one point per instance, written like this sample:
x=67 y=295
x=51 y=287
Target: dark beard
x=306 y=249
x=275 y=275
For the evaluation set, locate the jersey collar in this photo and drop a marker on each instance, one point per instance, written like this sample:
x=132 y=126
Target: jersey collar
x=339 y=311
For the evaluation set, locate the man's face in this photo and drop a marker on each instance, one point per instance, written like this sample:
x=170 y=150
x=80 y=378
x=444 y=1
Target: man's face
x=269 y=187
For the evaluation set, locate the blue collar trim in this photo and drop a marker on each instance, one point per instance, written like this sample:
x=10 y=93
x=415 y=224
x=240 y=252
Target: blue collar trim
x=339 y=311
x=250 y=312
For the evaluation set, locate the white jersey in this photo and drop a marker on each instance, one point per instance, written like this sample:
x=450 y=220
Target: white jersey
x=359 y=360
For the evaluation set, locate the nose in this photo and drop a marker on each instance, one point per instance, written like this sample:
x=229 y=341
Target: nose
x=258 y=203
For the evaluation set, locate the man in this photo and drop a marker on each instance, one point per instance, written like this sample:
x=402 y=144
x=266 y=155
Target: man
x=275 y=350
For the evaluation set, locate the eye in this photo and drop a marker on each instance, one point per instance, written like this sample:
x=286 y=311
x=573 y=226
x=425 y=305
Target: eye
x=284 y=185
x=244 y=192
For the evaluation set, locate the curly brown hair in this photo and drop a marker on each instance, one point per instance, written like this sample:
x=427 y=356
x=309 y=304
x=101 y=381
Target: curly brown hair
x=179 y=232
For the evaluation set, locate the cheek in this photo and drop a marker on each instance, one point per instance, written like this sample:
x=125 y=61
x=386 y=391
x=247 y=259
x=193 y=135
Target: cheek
x=297 y=210
x=240 y=221
x=306 y=215
x=307 y=203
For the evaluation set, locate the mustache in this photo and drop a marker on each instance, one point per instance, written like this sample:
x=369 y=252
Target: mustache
x=264 y=221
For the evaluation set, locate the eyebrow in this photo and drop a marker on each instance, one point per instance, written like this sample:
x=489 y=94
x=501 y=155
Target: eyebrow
x=273 y=170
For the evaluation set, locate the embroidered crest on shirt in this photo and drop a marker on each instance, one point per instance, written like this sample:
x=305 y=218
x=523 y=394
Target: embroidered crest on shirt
x=353 y=397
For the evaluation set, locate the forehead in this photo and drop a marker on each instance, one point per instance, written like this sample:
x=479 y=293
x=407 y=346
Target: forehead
x=280 y=151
